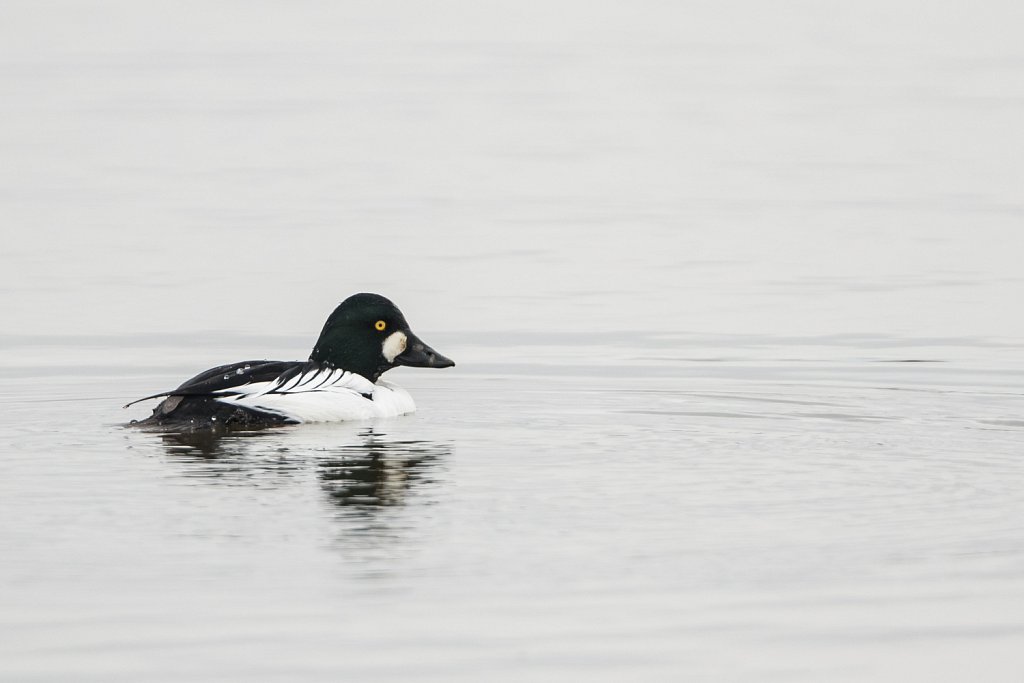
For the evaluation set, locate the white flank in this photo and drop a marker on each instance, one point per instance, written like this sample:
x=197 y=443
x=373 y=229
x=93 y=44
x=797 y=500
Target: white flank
x=394 y=345
x=323 y=396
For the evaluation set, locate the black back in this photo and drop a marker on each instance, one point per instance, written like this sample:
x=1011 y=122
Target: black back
x=193 y=405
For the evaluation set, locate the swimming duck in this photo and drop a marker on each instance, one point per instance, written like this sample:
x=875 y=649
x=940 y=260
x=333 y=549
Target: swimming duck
x=363 y=338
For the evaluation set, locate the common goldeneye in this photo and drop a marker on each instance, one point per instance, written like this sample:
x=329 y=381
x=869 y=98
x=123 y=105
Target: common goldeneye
x=363 y=338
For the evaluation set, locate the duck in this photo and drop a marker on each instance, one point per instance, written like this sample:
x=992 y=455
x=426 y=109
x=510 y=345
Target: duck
x=363 y=338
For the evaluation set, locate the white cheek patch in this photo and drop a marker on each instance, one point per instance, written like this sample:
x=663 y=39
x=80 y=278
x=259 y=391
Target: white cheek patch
x=394 y=345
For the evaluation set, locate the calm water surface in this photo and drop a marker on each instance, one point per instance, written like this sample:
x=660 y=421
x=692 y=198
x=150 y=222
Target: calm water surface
x=733 y=296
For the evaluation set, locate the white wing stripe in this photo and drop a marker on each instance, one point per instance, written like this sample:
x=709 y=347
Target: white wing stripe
x=309 y=377
x=339 y=395
x=289 y=384
x=325 y=380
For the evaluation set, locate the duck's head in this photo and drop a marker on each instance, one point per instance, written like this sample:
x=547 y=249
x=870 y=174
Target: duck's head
x=368 y=335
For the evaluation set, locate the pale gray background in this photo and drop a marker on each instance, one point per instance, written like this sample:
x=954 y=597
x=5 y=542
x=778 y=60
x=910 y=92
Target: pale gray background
x=677 y=249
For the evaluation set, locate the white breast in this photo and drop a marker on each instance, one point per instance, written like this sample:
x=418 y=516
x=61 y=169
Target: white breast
x=323 y=396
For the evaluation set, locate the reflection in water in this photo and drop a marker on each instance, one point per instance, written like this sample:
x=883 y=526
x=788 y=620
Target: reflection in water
x=258 y=458
x=210 y=445
x=377 y=472
x=379 y=491
x=371 y=474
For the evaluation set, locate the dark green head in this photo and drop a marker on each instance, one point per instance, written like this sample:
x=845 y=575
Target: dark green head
x=368 y=335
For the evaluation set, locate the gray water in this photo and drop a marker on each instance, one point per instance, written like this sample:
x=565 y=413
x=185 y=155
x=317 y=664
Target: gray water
x=733 y=289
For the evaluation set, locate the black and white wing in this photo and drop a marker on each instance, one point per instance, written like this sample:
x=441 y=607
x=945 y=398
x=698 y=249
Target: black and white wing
x=224 y=378
x=308 y=393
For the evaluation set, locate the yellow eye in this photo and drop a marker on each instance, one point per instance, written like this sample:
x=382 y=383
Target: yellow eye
x=380 y=325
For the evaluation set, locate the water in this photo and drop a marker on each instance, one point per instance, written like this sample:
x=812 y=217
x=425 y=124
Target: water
x=732 y=291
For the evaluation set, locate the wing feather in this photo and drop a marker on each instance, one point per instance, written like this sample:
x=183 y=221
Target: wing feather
x=231 y=377
x=339 y=395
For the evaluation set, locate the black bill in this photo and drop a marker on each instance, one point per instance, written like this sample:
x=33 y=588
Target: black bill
x=418 y=355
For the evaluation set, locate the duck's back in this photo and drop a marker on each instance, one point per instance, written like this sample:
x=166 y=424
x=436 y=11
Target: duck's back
x=196 y=405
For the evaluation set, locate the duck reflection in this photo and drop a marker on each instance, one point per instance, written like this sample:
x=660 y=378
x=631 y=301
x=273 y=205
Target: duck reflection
x=208 y=445
x=371 y=472
x=375 y=490
x=257 y=458
x=379 y=473
x=378 y=492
